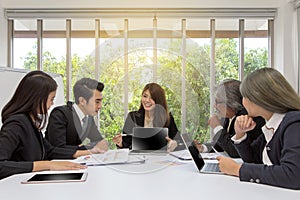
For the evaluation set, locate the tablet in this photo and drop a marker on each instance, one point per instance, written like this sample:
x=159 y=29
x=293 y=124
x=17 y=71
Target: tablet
x=57 y=178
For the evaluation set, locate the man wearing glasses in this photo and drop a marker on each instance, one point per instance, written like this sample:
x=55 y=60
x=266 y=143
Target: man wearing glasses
x=228 y=105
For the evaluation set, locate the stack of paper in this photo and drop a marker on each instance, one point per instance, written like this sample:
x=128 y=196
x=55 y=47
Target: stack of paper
x=119 y=156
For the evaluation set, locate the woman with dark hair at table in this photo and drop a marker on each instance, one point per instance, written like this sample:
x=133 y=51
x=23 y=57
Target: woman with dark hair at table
x=153 y=112
x=22 y=146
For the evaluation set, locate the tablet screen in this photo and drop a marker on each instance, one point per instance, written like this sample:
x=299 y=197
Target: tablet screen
x=60 y=177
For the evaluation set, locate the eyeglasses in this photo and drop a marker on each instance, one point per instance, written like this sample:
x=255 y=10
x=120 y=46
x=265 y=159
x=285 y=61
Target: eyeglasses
x=219 y=102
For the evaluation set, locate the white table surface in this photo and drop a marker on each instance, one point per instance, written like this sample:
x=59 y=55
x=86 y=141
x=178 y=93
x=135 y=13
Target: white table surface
x=161 y=177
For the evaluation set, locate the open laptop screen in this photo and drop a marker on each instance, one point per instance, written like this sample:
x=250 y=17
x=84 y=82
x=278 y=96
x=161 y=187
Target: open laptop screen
x=198 y=160
x=193 y=150
x=149 y=138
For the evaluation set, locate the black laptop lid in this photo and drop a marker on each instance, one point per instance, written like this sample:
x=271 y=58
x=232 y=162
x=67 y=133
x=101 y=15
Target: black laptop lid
x=149 y=138
x=196 y=157
x=193 y=150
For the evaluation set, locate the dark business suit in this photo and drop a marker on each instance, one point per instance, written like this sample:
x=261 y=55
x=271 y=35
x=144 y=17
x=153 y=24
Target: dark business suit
x=136 y=119
x=222 y=139
x=64 y=128
x=283 y=151
x=21 y=143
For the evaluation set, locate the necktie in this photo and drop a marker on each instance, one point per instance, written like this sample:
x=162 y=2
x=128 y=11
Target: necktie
x=84 y=124
x=229 y=124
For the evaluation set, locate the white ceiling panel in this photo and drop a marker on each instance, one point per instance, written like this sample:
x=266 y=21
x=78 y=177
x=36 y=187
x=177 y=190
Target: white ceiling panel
x=140 y=3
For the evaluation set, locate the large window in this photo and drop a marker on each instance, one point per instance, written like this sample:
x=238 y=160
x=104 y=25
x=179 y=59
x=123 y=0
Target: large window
x=24 y=43
x=187 y=55
x=256 y=53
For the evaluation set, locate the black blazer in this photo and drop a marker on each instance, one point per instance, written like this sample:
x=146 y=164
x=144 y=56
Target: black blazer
x=136 y=119
x=222 y=140
x=283 y=151
x=21 y=143
x=64 y=128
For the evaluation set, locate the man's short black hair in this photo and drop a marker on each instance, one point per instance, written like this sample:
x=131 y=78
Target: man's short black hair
x=84 y=88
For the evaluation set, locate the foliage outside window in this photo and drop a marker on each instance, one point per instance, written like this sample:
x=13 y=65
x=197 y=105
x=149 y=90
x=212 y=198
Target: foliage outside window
x=169 y=76
x=141 y=68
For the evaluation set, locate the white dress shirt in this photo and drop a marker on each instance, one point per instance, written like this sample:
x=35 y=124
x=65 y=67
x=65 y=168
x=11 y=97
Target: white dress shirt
x=79 y=113
x=268 y=130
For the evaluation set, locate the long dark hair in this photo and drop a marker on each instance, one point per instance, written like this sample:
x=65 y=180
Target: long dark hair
x=269 y=89
x=161 y=114
x=30 y=97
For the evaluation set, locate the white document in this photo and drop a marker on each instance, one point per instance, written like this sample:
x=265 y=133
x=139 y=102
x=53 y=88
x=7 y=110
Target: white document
x=182 y=154
x=213 y=156
x=209 y=156
x=111 y=157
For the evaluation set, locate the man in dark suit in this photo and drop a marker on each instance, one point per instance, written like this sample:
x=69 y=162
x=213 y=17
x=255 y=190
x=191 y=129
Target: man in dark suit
x=228 y=104
x=70 y=125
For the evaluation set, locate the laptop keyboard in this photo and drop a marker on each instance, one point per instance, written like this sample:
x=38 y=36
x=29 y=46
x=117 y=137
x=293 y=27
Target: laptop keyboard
x=154 y=152
x=211 y=167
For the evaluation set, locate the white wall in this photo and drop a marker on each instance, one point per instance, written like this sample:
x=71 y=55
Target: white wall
x=9 y=80
x=3 y=37
x=286 y=43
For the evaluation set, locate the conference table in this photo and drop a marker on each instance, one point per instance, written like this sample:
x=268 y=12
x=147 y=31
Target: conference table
x=160 y=177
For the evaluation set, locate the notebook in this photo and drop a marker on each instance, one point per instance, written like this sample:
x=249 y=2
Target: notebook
x=149 y=140
x=202 y=166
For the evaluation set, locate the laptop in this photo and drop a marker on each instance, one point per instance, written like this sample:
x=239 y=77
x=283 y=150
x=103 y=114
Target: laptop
x=202 y=166
x=149 y=140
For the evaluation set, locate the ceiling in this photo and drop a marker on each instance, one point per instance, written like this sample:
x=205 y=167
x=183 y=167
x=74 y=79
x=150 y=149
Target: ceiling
x=141 y=3
x=118 y=24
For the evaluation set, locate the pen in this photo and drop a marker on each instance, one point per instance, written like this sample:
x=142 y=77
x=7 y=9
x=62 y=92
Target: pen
x=86 y=157
x=219 y=154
